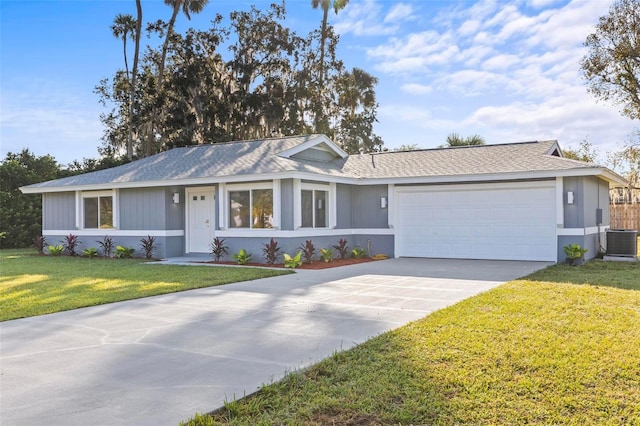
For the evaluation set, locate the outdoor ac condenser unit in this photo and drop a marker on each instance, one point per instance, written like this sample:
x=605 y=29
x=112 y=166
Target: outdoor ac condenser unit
x=622 y=242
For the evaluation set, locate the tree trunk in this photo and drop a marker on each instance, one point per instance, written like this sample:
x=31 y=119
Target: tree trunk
x=134 y=73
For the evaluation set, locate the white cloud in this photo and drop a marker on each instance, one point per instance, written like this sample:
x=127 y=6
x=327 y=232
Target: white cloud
x=416 y=89
x=469 y=27
x=363 y=19
x=507 y=70
x=399 y=12
x=500 y=62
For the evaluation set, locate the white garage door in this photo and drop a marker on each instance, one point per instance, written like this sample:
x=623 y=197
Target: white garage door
x=485 y=221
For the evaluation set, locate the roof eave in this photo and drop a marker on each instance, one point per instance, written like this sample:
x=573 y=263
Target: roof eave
x=604 y=173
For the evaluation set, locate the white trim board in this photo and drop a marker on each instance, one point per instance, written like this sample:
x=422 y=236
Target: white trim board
x=302 y=232
x=581 y=232
x=114 y=233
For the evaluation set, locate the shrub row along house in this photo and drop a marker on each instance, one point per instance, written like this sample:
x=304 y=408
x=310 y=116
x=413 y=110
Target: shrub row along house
x=520 y=201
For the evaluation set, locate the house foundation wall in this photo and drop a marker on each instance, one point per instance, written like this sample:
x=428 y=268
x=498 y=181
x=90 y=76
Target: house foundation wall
x=291 y=245
x=166 y=246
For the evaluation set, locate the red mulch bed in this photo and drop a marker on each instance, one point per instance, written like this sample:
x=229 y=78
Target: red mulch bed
x=316 y=264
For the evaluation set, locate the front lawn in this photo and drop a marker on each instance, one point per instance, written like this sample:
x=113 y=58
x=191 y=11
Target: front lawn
x=539 y=350
x=35 y=285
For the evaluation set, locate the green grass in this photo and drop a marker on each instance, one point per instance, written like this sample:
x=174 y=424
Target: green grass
x=540 y=350
x=34 y=285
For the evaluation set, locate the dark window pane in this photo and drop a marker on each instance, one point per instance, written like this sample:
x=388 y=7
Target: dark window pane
x=321 y=209
x=262 y=200
x=239 y=209
x=307 y=209
x=90 y=212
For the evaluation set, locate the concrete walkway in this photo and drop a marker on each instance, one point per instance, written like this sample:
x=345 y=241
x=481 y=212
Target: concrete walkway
x=158 y=360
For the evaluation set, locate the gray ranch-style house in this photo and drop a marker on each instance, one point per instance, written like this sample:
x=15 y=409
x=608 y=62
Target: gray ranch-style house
x=519 y=201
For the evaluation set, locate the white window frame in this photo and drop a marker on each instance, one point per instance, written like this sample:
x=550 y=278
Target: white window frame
x=228 y=188
x=330 y=189
x=80 y=197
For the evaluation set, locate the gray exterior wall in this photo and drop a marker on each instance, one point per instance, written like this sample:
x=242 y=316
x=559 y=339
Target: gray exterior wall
x=343 y=210
x=378 y=243
x=590 y=194
x=165 y=246
x=365 y=207
x=59 y=211
x=286 y=204
x=591 y=242
x=314 y=155
x=174 y=213
x=359 y=206
x=143 y=208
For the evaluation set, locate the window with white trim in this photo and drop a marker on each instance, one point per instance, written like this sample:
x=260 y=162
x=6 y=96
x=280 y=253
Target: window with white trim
x=314 y=206
x=97 y=210
x=250 y=206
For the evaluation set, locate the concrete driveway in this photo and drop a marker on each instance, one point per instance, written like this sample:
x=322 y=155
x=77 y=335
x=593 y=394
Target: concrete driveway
x=158 y=360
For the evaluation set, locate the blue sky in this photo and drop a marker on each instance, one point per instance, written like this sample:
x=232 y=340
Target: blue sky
x=505 y=69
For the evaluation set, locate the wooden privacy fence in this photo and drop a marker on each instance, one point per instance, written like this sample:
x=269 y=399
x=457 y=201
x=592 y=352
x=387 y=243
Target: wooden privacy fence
x=625 y=216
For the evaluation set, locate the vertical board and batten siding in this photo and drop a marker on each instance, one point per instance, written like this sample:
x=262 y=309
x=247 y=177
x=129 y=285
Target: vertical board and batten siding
x=286 y=204
x=365 y=205
x=343 y=201
x=573 y=213
x=344 y=206
x=174 y=213
x=143 y=209
x=59 y=211
x=359 y=207
x=315 y=155
x=590 y=194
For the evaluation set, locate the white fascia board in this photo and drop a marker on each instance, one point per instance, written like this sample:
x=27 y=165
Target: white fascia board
x=614 y=179
x=488 y=177
x=214 y=180
x=310 y=144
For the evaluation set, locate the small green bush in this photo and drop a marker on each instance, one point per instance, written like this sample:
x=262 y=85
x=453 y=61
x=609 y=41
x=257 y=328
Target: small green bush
x=326 y=254
x=56 y=250
x=124 y=252
x=90 y=252
x=242 y=257
x=358 y=253
x=574 y=253
x=293 y=262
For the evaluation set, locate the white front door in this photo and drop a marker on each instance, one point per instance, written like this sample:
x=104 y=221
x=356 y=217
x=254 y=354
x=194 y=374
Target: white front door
x=201 y=208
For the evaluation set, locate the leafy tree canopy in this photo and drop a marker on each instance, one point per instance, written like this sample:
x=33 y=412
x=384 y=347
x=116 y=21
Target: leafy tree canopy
x=21 y=214
x=585 y=152
x=251 y=78
x=611 y=66
x=454 y=139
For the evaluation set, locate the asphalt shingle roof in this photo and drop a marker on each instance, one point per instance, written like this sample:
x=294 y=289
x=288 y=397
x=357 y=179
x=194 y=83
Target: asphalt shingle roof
x=258 y=157
x=467 y=160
